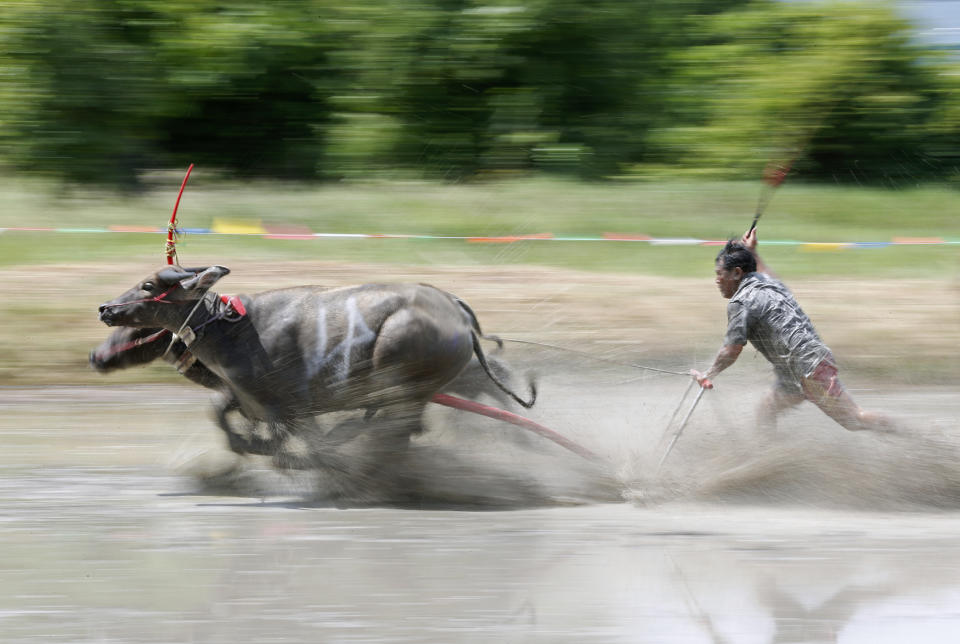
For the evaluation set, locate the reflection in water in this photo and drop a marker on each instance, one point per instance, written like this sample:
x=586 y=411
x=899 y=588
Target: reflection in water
x=97 y=556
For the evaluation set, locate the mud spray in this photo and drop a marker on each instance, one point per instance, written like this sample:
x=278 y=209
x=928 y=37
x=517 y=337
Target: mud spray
x=463 y=460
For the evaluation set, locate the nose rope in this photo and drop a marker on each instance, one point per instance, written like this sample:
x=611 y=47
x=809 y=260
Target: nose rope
x=158 y=298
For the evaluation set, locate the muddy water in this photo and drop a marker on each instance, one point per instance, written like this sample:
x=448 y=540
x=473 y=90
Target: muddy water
x=122 y=519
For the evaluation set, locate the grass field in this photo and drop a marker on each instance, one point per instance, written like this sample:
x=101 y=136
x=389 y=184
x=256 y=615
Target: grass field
x=673 y=209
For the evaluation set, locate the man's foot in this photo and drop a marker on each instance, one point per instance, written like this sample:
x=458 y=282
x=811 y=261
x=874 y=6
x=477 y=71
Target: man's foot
x=881 y=424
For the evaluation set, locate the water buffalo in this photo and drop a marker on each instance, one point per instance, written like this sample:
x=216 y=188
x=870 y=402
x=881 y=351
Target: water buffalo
x=131 y=346
x=288 y=355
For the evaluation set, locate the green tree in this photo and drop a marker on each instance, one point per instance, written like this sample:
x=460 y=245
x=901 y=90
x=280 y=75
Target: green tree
x=96 y=90
x=80 y=88
x=104 y=90
x=552 y=84
x=840 y=82
x=250 y=84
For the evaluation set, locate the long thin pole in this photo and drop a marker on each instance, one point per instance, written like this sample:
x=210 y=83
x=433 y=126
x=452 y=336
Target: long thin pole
x=683 y=399
x=683 y=424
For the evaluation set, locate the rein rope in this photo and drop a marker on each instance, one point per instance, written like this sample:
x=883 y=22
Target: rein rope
x=598 y=358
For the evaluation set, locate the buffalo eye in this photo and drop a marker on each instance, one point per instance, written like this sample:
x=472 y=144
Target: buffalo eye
x=148 y=286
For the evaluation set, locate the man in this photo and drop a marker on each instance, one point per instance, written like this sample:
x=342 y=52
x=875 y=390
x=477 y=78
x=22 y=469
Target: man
x=763 y=311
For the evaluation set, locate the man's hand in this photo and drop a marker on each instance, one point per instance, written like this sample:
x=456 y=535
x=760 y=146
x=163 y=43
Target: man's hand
x=701 y=379
x=749 y=240
x=727 y=355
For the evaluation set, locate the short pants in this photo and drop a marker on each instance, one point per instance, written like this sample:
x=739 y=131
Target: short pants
x=823 y=383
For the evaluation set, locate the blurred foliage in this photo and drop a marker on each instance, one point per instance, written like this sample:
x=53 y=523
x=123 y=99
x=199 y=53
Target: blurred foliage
x=101 y=91
x=840 y=87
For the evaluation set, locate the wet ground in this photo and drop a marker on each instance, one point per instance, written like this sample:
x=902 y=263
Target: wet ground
x=123 y=519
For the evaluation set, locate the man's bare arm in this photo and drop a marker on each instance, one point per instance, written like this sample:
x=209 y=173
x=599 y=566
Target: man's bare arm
x=750 y=241
x=727 y=355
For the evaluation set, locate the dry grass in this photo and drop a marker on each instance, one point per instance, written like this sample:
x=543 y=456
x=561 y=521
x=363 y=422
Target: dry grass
x=903 y=331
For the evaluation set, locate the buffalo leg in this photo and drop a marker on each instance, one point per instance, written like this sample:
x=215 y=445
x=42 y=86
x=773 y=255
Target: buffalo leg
x=262 y=439
x=256 y=437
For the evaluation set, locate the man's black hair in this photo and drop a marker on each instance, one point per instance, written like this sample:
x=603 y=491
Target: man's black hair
x=735 y=254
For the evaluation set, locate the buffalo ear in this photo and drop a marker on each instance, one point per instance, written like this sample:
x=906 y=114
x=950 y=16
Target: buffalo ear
x=204 y=278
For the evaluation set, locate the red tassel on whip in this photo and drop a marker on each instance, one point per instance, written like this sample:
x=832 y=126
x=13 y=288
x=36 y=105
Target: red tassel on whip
x=171 y=248
x=773 y=175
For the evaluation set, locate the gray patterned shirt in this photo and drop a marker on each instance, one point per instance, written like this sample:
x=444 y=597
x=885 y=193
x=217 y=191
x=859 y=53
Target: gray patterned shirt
x=765 y=312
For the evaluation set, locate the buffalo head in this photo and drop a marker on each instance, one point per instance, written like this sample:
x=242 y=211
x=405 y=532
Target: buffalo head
x=149 y=302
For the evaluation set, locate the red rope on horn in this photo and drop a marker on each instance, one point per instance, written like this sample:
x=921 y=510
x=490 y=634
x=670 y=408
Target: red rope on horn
x=171 y=247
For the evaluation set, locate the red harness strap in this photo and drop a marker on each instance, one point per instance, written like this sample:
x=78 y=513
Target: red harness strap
x=519 y=421
x=233 y=303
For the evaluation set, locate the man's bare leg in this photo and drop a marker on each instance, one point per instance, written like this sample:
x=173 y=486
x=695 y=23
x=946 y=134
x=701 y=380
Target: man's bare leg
x=774 y=403
x=832 y=398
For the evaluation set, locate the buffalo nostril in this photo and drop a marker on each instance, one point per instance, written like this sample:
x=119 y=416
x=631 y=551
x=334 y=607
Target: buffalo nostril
x=102 y=308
